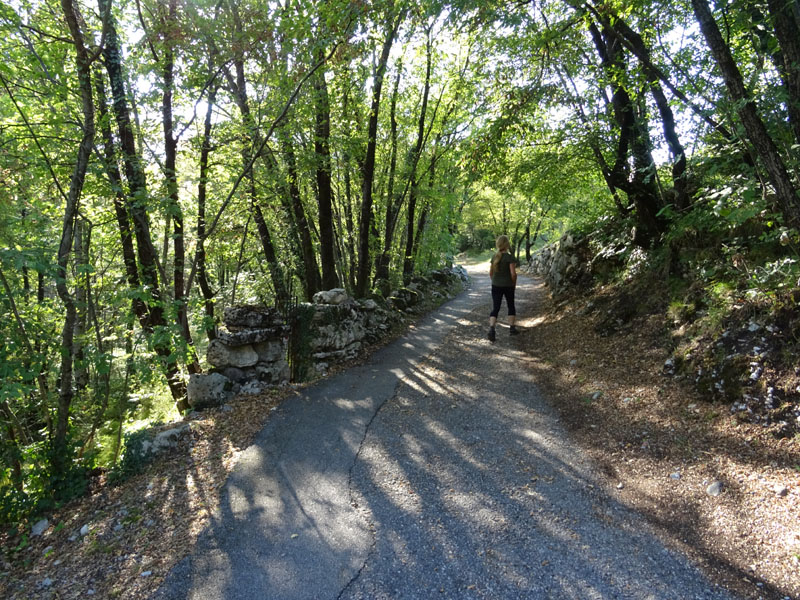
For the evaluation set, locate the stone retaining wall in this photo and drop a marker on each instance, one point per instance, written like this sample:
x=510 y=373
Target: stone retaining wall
x=555 y=263
x=251 y=348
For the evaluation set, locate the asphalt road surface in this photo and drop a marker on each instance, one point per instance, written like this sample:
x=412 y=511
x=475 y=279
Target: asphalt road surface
x=435 y=470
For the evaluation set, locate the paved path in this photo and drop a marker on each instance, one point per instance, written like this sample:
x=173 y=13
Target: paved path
x=435 y=470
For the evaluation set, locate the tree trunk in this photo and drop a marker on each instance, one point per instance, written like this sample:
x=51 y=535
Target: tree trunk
x=633 y=143
x=12 y=455
x=239 y=90
x=368 y=168
x=81 y=253
x=787 y=30
x=61 y=453
x=120 y=207
x=202 y=190
x=103 y=380
x=384 y=259
x=785 y=193
x=174 y=211
x=322 y=149
x=667 y=117
x=137 y=209
x=349 y=237
x=308 y=270
x=410 y=253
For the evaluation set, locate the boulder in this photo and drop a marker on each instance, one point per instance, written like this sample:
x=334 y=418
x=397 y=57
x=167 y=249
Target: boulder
x=167 y=439
x=270 y=351
x=207 y=390
x=235 y=374
x=242 y=337
x=334 y=296
x=222 y=355
x=335 y=337
x=39 y=527
x=369 y=305
x=252 y=317
x=275 y=374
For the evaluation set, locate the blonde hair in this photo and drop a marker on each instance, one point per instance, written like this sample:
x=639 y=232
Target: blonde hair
x=503 y=245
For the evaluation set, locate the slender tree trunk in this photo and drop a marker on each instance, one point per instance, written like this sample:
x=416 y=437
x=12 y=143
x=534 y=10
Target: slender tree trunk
x=120 y=207
x=13 y=454
x=174 y=211
x=384 y=259
x=322 y=149
x=239 y=90
x=301 y=233
x=785 y=192
x=123 y=397
x=605 y=170
x=12 y=425
x=633 y=144
x=61 y=453
x=423 y=217
x=202 y=191
x=368 y=168
x=136 y=207
x=787 y=30
x=81 y=253
x=410 y=253
x=667 y=117
x=349 y=235
x=103 y=380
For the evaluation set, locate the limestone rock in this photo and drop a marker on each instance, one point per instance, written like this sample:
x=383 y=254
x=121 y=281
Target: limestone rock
x=334 y=296
x=221 y=355
x=168 y=438
x=275 y=374
x=270 y=351
x=369 y=305
x=243 y=337
x=252 y=317
x=251 y=387
x=39 y=527
x=235 y=374
x=206 y=390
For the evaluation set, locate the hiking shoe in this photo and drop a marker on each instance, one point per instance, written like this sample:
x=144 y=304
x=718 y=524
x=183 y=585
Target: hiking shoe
x=513 y=331
x=492 y=335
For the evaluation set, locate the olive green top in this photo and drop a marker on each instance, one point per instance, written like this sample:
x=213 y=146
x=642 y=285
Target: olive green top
x=502 y=271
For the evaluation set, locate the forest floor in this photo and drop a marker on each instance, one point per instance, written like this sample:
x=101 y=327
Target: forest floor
x=656 y=441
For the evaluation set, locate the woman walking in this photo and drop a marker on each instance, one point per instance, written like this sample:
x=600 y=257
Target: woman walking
x=503 y=271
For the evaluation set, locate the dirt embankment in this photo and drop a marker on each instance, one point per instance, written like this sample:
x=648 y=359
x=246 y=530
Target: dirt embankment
x=663 y=446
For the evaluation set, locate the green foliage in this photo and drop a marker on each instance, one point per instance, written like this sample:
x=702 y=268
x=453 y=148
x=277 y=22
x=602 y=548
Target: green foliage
x=43 y=488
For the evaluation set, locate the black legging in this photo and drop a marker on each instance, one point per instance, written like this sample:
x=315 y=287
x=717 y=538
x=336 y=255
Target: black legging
x=497 y=299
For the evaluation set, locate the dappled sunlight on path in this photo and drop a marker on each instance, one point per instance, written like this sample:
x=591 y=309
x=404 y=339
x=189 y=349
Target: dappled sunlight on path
x=434 y=470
